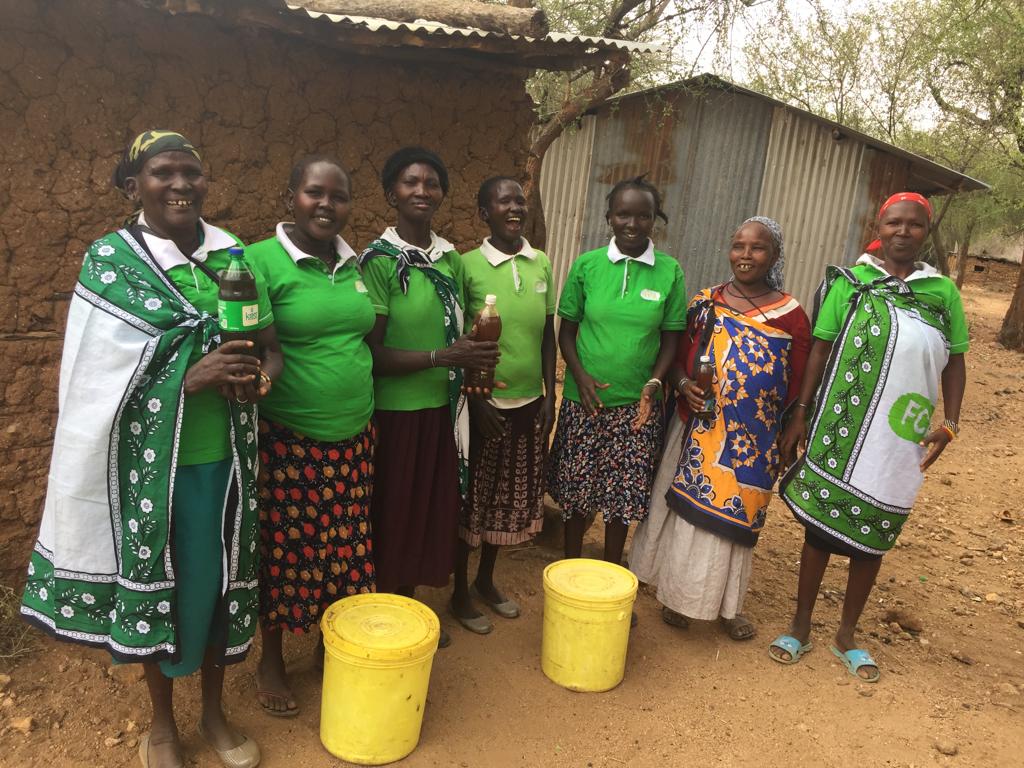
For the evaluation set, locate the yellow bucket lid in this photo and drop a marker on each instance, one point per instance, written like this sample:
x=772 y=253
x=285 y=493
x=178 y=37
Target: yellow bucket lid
x=380 y=628
x=590 y=581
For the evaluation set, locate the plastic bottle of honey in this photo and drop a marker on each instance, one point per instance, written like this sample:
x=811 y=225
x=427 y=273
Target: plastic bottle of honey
x=488 y=328
x=238 y=309
x=705 y=378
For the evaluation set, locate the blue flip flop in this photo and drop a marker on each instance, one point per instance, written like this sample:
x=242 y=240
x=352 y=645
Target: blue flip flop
x=790 y=645
x=856 y=658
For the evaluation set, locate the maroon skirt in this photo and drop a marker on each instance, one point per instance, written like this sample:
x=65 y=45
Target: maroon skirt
x=416 y=498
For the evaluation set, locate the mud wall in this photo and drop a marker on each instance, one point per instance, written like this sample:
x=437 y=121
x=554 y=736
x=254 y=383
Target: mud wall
x=79 y=79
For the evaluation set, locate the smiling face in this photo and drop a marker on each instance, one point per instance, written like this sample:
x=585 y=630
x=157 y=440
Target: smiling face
x=505 y=213
x=752 y=254
x=321 y=202
x=171 y=188
x=416 y=194
x=902 y=229
x=631 y=217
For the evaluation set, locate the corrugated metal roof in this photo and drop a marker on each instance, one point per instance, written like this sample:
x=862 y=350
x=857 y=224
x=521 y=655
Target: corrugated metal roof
x=810 y=187
x=563 y=189
x=427 y=28
x=926 y=176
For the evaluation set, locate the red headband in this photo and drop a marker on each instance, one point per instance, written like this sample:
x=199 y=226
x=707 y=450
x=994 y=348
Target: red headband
x=900 y=197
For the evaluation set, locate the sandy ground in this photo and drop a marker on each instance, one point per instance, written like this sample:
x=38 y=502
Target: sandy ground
x=689 y=697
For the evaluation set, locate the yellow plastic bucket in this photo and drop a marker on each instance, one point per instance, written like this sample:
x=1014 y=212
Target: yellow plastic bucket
x=587 y=608
x=376 y=670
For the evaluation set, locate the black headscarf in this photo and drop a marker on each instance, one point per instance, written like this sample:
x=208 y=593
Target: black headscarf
x=146 y=145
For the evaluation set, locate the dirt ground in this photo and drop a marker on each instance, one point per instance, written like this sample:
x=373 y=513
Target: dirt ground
x=951 y=694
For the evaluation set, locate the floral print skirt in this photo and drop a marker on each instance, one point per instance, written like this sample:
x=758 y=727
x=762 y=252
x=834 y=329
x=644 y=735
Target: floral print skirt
x=505 y=504
x=316 y=544
x=599 y=465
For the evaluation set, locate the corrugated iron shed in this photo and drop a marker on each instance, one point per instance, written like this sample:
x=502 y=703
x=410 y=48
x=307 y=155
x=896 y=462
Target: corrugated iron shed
x=719 y=154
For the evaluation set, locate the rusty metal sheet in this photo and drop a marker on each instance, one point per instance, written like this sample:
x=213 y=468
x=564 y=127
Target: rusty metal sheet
x=810 y=187
x=705 y=151
x=564 y=181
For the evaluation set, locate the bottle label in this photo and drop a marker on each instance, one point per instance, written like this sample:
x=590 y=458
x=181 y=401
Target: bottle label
x=237 y=316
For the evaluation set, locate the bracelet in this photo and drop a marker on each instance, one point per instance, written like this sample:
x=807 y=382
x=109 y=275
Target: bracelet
x=952 y=426
x=656 y=382
x=805 y=406
x=433 y=358
x=683 y=381
x=948 y=431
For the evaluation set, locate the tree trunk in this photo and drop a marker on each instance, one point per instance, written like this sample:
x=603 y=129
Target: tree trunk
x=613 y=77
x=961 y=262
x=1011 y=335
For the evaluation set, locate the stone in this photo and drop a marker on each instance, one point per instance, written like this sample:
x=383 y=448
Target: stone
x=125 y=674
x=1008 y=688
x=962 y=657
x=113 y=741
x=904 y=619
x=993 y=597
x=23 y=725
x=5 y=680
x=946 y=747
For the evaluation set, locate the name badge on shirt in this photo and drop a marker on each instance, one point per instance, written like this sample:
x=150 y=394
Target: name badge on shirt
x=541 y=286
x=360 y=286
x=648 y=295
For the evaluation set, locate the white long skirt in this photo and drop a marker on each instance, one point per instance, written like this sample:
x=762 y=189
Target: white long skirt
x=696 y=573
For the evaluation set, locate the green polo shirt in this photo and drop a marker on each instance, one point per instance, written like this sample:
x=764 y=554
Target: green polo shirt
x=523 y=310
x=416 y=322
x=835 y=306
x=620 y=330
x=322 y=317
x=205 y=420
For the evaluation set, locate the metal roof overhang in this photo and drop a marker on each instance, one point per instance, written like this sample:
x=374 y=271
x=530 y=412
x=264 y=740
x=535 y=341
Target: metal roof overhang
x=411 y=40
x=926 y=176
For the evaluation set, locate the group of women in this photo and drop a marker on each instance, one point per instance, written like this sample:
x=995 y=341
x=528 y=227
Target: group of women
x=178 y=517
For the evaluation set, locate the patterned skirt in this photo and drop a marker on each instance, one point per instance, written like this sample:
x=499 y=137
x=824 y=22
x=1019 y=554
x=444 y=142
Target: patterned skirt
x=599 y=465
x=316 y=544
x=506 y=481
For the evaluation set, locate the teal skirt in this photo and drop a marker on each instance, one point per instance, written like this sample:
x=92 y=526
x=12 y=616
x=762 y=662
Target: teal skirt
x=200 y=491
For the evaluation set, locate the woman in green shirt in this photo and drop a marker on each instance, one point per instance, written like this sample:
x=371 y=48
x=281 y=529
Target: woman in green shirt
x=509 y=431
x=623 y=309
x=890 y=334
x=415 y=284
x=316 y=431
x=148 y=541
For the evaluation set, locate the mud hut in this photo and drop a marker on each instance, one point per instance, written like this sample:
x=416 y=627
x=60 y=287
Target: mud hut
x=257 y=85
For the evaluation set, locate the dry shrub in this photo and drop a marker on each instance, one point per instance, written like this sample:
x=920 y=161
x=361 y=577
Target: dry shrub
x=16 y=638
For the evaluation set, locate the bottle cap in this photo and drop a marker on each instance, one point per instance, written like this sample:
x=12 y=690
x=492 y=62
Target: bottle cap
x=236 y=250
x=490 y=298
x=705 y=358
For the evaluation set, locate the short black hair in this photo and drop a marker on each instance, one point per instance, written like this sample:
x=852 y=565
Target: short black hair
x=483 y=197
x=300 y=168
x=406 y=156
x=641 y=183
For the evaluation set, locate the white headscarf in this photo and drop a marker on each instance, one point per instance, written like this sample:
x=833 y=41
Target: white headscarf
x=776 y=276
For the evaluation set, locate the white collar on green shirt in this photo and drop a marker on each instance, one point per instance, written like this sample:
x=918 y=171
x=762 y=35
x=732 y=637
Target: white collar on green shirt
x=168 y=255
x=920 y=268
x=343 y=249
x=438 y=245
x=495 y=257
x=647 y=257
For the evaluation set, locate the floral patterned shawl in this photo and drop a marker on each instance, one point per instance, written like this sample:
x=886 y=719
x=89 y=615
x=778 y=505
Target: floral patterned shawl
x=103 y=571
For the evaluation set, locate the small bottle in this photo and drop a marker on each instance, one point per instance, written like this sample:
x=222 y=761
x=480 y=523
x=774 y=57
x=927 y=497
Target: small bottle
x=488 y=328
x=705 y=377
x=238 y=308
